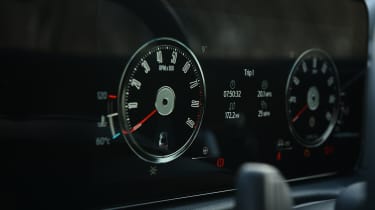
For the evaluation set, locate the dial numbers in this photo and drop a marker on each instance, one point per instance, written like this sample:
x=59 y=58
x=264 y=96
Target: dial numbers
x=195 y=103
x=132 y=105
x=159 y=56
x=135 y=83
x=312 y=94
x=174 y=57
x=146 y=66
x=186 y=67
x=194 y=84
x=165 y=106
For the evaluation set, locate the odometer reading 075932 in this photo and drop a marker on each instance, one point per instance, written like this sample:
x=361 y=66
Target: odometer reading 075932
x=312 y=98
x=161 y=100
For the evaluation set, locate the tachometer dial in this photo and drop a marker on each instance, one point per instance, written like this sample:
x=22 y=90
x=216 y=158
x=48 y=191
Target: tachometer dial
x=312 y=98
x=162 y=99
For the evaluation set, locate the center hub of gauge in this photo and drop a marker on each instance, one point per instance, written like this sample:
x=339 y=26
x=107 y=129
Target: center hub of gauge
x=313 y=98
x=165 y=100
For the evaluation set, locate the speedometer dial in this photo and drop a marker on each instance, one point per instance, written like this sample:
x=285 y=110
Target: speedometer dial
x=312 y=98
x=162 y=99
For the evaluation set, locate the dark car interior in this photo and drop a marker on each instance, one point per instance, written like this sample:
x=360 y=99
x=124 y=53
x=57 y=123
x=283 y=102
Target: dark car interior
x=187 y=104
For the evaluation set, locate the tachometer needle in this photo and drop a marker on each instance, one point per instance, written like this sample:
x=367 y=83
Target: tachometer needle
x=140 y=123
x=297 y=116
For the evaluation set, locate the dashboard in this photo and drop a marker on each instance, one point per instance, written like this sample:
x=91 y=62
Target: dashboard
x=119 y=104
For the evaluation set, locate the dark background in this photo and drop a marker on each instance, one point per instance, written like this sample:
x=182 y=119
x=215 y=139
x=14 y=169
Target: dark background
x=56 y=55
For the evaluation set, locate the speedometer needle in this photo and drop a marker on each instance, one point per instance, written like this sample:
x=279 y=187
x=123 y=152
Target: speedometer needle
x=140 y=123
x=297 y=116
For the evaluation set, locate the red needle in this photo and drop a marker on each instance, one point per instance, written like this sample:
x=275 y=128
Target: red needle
x=295 y=118
x=138 y=125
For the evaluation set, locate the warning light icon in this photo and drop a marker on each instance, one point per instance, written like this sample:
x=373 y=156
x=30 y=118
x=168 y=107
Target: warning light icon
x=220 y=162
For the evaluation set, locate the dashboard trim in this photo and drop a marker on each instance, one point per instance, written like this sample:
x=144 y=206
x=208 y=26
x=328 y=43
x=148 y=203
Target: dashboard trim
x=323 y=175
x=169 y=200
x=304 y=205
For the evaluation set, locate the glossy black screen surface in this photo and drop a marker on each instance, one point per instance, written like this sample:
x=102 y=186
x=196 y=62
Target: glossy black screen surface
x=60 y=77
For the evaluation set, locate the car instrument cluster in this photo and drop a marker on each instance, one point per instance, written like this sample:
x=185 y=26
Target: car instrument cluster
x=178 y=94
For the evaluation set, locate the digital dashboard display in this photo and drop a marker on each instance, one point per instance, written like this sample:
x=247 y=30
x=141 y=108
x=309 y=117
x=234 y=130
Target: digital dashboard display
x=176 y=95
